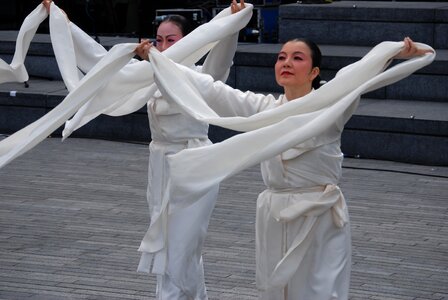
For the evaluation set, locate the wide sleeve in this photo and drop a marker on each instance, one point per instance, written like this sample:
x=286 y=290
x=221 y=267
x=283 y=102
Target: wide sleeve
x=225 y=100
x=88 y=51
x=220 y=58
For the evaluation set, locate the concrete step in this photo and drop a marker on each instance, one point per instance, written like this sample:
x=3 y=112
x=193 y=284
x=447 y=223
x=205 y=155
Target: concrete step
x=365 y=23
x=253 y=63
x=253 y=70
x=40 y=60
x=20 y=106
x=406 y=121
x=398 y=130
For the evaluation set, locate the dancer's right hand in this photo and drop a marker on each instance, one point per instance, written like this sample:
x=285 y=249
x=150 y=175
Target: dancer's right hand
x=47 y=4
x=142 y=50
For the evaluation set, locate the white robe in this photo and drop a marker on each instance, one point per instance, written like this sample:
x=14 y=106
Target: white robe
x=172 y=131
x=303 y=235
x=180 y=258
x=305 y=255
x=269 y=132
x=310 y=251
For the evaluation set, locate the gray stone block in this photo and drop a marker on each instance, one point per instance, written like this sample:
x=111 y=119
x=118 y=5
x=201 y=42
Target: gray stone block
x=365 y=22
x=441 y=14
x=420 y=87
x=14 y=118
x=427 y=150
x=259 y=58
x=401 y=125
x=38 y=66
x=359 y=33
x=441 y=36
x=43 y=67
x=22 y=100
x=388 y=11
x=256 y=79
x=132 y=127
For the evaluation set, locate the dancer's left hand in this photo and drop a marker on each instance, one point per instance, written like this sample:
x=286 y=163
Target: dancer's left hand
x=142 y=50
x=410 y=50
x=46 y=4
x=235 y=7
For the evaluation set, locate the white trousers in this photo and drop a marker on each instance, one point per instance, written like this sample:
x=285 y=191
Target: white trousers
x=167 y=290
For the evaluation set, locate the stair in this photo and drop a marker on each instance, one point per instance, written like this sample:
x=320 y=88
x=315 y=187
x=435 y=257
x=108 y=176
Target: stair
x=406 y=122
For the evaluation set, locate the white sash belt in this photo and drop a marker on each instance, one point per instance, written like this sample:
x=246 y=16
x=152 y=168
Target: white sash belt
x=331 y=198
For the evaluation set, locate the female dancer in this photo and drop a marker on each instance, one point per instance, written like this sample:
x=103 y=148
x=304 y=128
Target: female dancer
x=303 y=246
x=178 y=264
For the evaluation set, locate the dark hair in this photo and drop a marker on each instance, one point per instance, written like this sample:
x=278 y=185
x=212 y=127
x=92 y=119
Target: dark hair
x=180 y=21
x=316 y=57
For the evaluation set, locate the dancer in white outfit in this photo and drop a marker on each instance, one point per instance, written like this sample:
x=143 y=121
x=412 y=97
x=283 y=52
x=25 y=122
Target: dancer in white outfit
x=297 y=135
x=178 y=265
x=303 y=246
x=172 y=131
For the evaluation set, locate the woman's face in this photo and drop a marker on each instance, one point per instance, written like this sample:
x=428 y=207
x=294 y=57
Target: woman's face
x=294 y=65
x=168 y=34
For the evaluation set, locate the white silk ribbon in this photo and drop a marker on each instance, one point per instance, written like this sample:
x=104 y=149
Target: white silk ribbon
x=273 y=131
x=16 y=71
x=194 y=171
x=110 y=84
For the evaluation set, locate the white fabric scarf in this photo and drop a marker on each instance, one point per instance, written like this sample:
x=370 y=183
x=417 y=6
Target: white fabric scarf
x=270 y=132
x=16 y=71
x=113 y=86
x=273 y=131
x=26 y=138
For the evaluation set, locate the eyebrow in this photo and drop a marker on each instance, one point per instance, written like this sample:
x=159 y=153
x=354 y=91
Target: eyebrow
x=295 y=52
x=169 y=35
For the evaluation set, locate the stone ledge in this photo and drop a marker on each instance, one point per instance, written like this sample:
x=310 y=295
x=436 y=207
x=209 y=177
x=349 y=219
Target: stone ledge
x=365 y=23
x=429 y=83
x=334 y=57
x=248 y=54
x=371 y=11
x=400 y=147
x=379 y=129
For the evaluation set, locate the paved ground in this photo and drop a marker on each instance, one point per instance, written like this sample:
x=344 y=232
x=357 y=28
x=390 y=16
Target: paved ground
x=72 y=216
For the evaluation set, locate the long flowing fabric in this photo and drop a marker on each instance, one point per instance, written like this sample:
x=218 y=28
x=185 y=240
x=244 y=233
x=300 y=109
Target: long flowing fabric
x=272 y=132
x=110 y=84
x=347 y=80
x=28 y=137
x=186 y=51
x=16 y=71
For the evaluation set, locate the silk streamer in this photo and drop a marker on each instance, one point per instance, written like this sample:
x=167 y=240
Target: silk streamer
x=268 y=133
x=16 y=70
x=186 y=51
x=26 y=138
x=110 y=84
x=273 y=131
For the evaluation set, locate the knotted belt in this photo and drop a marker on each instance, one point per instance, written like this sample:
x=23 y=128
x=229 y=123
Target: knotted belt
x=310 y=208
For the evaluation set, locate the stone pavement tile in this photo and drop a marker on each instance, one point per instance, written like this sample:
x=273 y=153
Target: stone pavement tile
x=11 y=295
x=72 y=216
